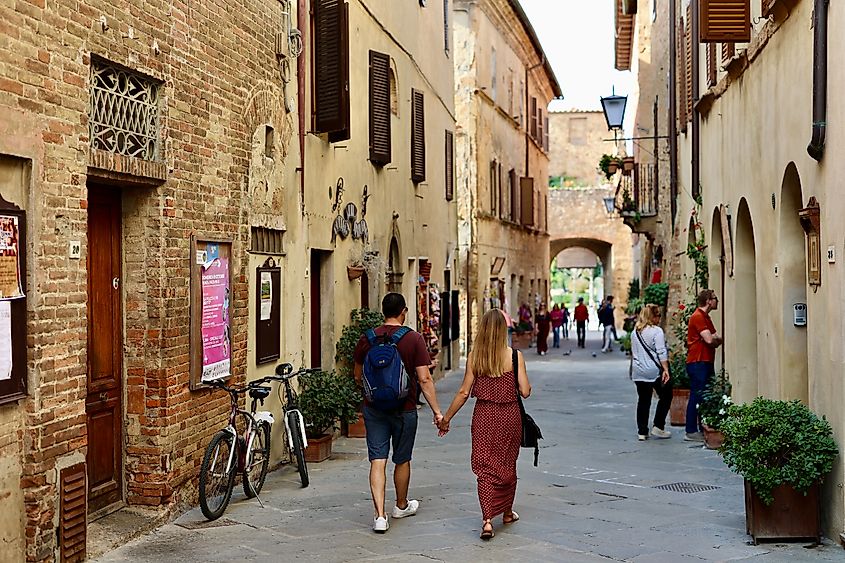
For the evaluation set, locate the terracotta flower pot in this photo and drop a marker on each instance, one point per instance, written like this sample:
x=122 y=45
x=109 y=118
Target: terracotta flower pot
x=627 y=163
x=319 y=449
x=357 y=429
x=354 y=272
x=712 y=438
x=612 y=167
x=678 y=409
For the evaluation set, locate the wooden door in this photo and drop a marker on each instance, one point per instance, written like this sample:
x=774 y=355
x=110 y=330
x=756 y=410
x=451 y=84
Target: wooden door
x=103 y=405
x=316 y=311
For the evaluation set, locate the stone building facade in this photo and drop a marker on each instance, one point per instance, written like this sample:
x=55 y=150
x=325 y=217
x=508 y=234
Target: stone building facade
x=138 y=149
x=754 y=182
x=577 y=141
x=503 y=85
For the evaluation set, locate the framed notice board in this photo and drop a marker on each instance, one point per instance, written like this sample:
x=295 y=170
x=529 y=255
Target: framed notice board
x=211 y=310
x=268 y=322
x=12 y=302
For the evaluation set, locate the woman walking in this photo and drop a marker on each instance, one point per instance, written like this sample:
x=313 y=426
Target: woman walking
x=544 y=325
x=650 y=372
x=556 y=316
x=496 y=420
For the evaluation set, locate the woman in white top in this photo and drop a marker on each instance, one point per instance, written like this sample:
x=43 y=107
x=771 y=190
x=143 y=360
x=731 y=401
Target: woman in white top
x=650 y=372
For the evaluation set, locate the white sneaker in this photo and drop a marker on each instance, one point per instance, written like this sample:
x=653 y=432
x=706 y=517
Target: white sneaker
x=658 y=433
x=380 y=524
x=409 y=510
x=642 y=437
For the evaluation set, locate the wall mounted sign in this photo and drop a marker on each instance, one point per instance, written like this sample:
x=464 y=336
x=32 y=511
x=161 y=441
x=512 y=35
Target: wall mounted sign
x=10 y=271
x=268 y=324
x=810 y=218
x=211 y=310
x=12 y=302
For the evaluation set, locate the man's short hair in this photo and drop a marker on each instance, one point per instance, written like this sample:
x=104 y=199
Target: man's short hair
x=580 y=300
x=704 y=296
x=392 y=305
x=610 y=298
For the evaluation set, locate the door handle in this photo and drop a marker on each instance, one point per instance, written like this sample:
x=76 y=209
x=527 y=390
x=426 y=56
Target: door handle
x=115 y=282
x=104 y=396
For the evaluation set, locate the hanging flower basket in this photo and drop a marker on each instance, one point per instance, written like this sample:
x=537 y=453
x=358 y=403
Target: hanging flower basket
x=627 y=165
x=354 y=272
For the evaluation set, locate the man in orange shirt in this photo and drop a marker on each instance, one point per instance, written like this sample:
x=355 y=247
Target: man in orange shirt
x=702 y=342
x=581 y=315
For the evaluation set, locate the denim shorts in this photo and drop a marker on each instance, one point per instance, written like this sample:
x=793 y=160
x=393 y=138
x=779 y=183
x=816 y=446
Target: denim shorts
x=384 y=428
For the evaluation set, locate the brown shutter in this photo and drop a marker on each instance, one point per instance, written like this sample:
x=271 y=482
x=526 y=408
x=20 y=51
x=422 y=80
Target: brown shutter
x=379 y=108
x=533 y=109
x=493 y=197
x=682 y=76
x=766 y=7
x=539 y=137
x=711 y=65
x=514 y=188
x=331 y=67
x=450 y=166
x=546 y=134
x=526 y=188
x=500 y=191
x=728 y=51
x=688 y=53
x=725 y=21
x=73 y=510
x=417 y=136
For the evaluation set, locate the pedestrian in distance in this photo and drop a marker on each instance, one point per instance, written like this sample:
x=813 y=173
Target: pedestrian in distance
x=543 y=322
x=556 y=315
x=391 y=361
x=581 y=315
x=650 y=372
x=607 y=320
x=566 y=321
x=702 y=341
x=496 y=419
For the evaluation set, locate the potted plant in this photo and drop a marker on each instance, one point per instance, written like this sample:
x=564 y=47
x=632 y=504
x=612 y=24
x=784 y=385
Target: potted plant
x=680 y=386
x=325 y=399
x=627 y=165
x=713 y=409
x=784 y=451
x=360 y=320
x=628 y=205
x=609 y=164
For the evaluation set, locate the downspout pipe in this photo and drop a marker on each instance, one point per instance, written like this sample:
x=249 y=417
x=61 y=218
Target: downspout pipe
x=816 y=147
x=301 y=23
x=673 y=110
x=696 y=93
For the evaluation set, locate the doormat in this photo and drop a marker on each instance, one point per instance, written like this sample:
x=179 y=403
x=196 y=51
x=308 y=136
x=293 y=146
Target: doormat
x=685 y=487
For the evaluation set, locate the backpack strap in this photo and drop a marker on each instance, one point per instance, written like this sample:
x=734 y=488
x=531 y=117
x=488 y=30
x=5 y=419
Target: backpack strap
x=371 y=336
x=397 y=336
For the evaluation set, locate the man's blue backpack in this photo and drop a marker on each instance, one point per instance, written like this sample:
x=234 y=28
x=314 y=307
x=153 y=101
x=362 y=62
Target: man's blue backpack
x=386 y=381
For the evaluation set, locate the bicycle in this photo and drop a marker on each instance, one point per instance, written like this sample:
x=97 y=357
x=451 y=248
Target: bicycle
x=229 y=453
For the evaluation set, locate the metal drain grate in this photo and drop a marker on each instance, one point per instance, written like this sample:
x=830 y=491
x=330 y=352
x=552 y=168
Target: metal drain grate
x=200 y=524
x=685 y=487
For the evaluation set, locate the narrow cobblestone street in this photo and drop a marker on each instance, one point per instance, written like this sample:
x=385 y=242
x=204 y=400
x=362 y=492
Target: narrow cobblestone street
x=593 y=497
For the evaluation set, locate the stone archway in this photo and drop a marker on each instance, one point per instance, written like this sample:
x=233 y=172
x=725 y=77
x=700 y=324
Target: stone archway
x=602 y=249
x=716 y=275
x=745 y=380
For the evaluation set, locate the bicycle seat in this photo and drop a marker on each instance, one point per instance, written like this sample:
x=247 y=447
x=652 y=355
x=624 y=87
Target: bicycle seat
x=259 y=392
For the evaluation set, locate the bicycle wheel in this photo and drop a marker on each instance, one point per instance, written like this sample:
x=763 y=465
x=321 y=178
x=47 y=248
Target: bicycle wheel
x=216 y=479
x=257 y=461
x=295 y=425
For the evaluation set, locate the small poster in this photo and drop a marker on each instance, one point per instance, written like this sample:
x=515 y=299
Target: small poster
x=266 y=296
x=216 y=332
x=5 y=340
x=10 y=275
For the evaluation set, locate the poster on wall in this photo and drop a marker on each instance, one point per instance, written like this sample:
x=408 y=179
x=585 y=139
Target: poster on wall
x=215 y=327
x=5 y=340
x=10 y=275
x=266 y=296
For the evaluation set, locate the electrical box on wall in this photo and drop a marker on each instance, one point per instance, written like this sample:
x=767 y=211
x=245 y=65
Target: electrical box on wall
x=799 y=314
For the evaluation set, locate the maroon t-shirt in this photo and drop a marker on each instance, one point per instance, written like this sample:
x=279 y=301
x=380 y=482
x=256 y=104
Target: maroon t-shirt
x=412 y=350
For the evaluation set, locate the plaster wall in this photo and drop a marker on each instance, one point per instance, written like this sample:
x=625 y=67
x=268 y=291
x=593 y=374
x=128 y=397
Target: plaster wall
x=576 y=144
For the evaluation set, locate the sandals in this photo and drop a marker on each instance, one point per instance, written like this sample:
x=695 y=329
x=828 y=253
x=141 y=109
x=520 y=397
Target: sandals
x=485 y=533
x=514 y=518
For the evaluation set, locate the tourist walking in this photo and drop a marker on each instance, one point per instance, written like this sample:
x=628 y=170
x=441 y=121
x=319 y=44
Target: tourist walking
x=650 y=372
x=581 y=316
x=607 y=320
x=496 y=419
x=556 y=315
x=543 y=322
x=566 y=321
x=702 y=342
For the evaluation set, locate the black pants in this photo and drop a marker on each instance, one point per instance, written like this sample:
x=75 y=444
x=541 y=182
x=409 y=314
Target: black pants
x=664 y=400
x=581 y=329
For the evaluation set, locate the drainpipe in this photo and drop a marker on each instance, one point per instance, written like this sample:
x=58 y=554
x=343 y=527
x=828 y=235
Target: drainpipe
x=673 y=109
x=696 y=92
x=301 y=23
x=816 y=146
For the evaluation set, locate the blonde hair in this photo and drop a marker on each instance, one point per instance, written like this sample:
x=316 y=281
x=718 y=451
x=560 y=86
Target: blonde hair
x=487 y=354
x=648 y=316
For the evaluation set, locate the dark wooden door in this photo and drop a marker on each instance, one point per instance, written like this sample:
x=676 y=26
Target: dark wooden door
x=316 y=311
x=103 y=404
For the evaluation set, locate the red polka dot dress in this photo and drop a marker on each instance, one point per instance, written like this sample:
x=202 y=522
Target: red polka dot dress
x=496 y=436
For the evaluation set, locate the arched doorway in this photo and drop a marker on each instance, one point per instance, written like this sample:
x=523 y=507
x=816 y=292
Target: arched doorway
x=577 y=272
x=794 y=380
x=716 y=267
x=745 y=380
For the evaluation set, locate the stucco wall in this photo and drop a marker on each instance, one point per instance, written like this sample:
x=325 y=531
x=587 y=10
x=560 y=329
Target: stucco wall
x=576 y=144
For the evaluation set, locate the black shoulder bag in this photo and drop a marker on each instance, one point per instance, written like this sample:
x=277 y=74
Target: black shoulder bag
x=531 y=434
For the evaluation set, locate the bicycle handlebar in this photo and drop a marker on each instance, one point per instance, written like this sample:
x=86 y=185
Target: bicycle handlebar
x=283 y=372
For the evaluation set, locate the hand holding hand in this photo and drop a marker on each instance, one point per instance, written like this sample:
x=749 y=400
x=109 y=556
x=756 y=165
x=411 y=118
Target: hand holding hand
x=437 y=418
x=443 y=426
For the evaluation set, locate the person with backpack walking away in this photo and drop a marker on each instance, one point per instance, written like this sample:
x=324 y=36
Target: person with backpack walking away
x=496 y=419
x=650 y=372
x=391 y=361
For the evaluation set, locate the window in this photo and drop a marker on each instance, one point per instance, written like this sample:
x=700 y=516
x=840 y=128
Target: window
x=493 y=73
x=269 y=141
x=539 y=135
x=494 y=195
x=533 y=111
x=513 y=190
x=526 y=188
x=417 y=136
x=379 y=108
x=501 y=193
x=394 y=94
x=450 y=165
x=546 y=133
x=711 y=65
x=266 y=241
x=330 y=30
x=521 y=97
x=728 y=51
x=446 y=26
x=725 y=21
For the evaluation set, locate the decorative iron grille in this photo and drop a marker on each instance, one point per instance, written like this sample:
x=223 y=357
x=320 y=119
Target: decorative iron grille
x=124 y=111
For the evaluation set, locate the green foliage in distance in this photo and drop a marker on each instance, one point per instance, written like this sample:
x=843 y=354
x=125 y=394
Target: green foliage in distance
x=657 y=293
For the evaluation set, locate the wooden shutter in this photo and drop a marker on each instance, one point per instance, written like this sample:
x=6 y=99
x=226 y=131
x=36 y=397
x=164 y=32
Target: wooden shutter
x=688 y=53
x=546 y=134
x=533 y=110
x=379 y=108
x=539 y=137
x=681 y=76
x=728 y=51
x=725 y=21
x=766 y=7
x=417 y=136
x=526 y=188
x=500 y=192
x=494 y=198
x=450 y=166
x=711 y=65
x=513 y=185
x=73 y=511
x=331 y=67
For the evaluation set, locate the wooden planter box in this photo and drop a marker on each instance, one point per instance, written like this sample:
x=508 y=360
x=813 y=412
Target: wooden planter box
x=357 y=429
x=792 y=516
x=319 y=449
x=522 y=340
x=678 y=410
x=712 y=438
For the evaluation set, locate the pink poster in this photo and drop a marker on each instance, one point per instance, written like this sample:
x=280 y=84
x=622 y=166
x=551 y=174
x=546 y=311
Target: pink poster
x=216 y=337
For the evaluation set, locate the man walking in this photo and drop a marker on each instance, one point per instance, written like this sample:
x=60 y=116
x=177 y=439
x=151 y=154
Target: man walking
x=399 y=425
x=607 y=320
x=702 y=342
x=581 y=315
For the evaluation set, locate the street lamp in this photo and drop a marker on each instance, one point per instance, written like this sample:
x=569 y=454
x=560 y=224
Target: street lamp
x=613 y=107
x=610 y=204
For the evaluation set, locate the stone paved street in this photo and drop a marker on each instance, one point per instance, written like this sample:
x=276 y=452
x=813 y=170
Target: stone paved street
x=593 y=497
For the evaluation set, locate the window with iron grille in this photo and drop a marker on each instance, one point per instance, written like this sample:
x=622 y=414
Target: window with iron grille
x=266 y=241
x=124 y=111
x=417 y=136
x=379 y=108
x=330 y=30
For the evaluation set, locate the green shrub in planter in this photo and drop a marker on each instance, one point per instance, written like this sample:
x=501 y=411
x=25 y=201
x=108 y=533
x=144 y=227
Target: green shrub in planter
x=360 y=321
x=327 y=398
x=657 y=293
x=716 y=401
x=678 y=368
x=771 y=443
